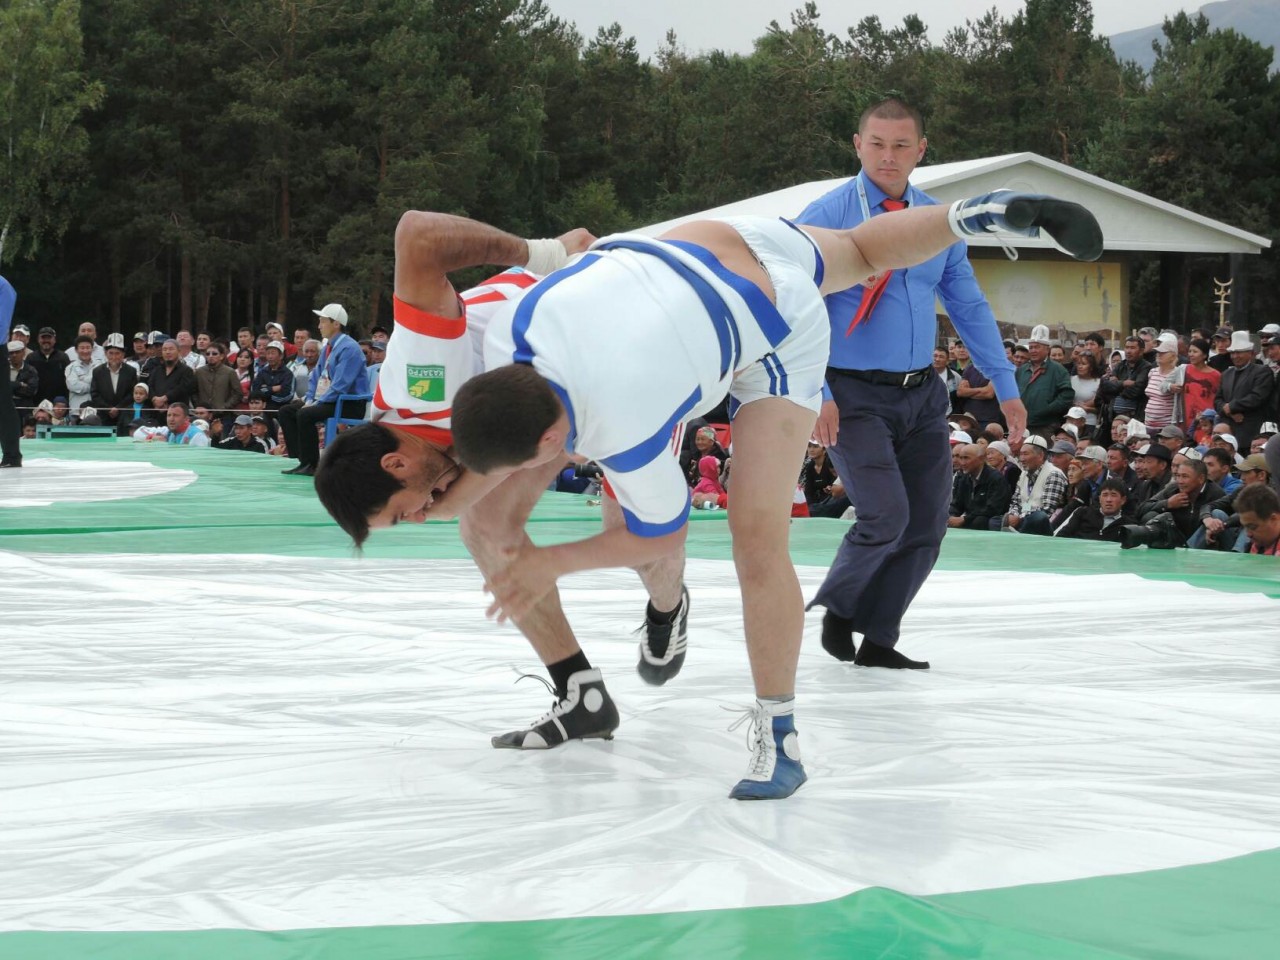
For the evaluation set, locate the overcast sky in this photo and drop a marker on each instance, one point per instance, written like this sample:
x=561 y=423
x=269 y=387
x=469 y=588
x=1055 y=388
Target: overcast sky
x=732 y=25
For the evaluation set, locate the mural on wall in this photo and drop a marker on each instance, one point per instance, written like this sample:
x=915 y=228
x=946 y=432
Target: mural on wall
x=1070 y=298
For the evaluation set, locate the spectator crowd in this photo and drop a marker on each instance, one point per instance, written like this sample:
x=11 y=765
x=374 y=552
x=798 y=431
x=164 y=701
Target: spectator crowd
x=1160 y=443
x=198 y=390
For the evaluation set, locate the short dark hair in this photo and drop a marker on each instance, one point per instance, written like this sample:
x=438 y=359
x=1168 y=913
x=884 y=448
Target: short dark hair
x=1097 y=338
x=1129 y=340
x=1115 y=485
x=248 y=330
x=499 y=417
x=186 y=411
x=892 y=108
x=1217 y=453
x=84 y=338
x=1196 y=465
x=351 y=481
x=1259 y=499
x=217 y=345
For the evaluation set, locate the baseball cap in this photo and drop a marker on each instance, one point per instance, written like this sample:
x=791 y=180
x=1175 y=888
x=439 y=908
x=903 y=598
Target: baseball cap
x=258 y=418
x=1222 y=333
x=1071 y=430
x=155 y=338
x=1062 y=446
x=1164 y=345
x=276 y=345
x=1077 y=413
x=1172 y=433
x=15 y=345
x=1229 y=438
x=333 y=311
x=64 y=400
x=1254 y=461
x=48 y=332
x=22 y=328
x=243 y=420
x=1095 y=453
x=959 y=436
x=1157 y=450
x=140 y=335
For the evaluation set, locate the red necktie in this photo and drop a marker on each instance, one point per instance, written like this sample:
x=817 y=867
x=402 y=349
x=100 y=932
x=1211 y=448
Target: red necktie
x=871 y=295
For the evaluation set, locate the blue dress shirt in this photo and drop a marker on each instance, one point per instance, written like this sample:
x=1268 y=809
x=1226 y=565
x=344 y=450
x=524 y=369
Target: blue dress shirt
x=902 y=330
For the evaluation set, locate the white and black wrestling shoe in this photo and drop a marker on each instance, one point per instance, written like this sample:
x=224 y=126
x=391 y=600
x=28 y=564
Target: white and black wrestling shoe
x=586 y=713
x=671 y=638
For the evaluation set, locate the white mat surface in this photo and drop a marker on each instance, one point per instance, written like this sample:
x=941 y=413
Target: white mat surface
x=46 y=480
x=205 y=745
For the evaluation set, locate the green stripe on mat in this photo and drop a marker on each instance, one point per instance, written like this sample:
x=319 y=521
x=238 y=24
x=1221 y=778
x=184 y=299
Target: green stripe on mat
x=241 y=504
x=1228 y=910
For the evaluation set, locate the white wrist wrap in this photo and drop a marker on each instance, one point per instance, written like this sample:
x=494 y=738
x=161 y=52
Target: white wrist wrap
x=545 y=256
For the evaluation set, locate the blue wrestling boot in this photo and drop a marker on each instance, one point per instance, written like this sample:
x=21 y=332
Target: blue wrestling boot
x=776 y=771
x=1068 y=226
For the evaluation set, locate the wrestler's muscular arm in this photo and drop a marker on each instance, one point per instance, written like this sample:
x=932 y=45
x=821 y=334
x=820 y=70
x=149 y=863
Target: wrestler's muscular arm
x=890 y=242
x=429 y=245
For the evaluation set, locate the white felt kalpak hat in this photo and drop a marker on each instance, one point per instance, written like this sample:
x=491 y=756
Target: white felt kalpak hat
x=1040 y=334
x=1240 y=341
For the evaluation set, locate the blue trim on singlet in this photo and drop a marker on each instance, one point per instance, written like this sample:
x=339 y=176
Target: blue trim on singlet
x=766 y=315
x=820 y=267
x=773 y=378
x=777 y=375
x=524 y=310
x=642 y=528
x=718 y=311
x=572 y=439
x=647 y=450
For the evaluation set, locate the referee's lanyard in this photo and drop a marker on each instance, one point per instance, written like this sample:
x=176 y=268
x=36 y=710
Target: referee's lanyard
x=872 y=287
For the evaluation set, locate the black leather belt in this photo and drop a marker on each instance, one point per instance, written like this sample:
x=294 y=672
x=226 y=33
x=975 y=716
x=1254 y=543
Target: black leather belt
x=886 y=378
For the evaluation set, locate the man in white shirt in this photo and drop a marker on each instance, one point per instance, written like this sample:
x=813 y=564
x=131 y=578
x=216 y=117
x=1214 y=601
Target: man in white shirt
x=87 y=329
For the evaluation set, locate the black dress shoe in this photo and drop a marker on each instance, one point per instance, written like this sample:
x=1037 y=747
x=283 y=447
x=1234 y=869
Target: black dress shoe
x=292 y=470
x=6 y=464
x=307 y=471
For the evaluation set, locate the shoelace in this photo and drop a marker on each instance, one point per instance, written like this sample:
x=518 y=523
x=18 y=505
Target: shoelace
x=1009 y=251
x=555 y=706
x=755 y=736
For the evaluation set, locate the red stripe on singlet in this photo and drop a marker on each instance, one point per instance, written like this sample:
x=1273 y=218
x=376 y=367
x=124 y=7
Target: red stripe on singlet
x=428 y=324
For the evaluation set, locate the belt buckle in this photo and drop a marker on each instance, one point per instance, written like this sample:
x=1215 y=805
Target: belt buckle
x=906 y=378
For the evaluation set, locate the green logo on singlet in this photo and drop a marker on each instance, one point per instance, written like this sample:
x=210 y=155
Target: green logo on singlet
x=426 y=382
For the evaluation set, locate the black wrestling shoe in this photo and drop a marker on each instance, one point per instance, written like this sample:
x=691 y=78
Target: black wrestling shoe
x=672 y=638
x=586 y=713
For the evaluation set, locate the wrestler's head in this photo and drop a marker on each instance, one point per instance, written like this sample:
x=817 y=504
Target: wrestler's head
x=508 y=419
x=374 y=476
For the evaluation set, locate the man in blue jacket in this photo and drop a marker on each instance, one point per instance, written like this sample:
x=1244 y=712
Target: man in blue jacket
x=886 y=430
x=341 y=370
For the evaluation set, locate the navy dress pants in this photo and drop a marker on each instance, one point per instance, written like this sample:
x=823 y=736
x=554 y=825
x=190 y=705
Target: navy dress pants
x=894 y=457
